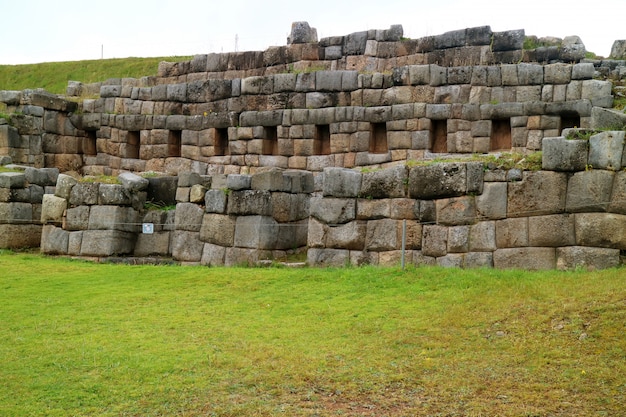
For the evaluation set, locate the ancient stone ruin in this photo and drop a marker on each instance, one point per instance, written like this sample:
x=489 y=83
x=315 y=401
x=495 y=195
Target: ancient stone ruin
x=350 y=150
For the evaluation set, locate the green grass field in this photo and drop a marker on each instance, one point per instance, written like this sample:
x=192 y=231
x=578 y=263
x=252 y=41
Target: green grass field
x=81 y=339
x=53 y=76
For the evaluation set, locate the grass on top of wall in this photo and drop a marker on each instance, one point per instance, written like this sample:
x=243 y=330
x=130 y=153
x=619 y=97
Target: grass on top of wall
x=86 y=339
x=54 y=76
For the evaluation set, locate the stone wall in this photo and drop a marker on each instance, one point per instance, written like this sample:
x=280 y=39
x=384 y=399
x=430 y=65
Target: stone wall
x=21 y=195
x=218 y=220
x=571 y=214
x=367 y=98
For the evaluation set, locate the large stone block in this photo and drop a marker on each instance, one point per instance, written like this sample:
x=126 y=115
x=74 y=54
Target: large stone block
x=54 y=240
x=382 y=235
x=188 y=217
x=268 y=180
x=606 y=150
x=456 y=211
x=155 y=244
x=16 y=236
x=512 y=233
x=368 y=209
x=114 y=218
x=341 y=182
x=107 y=243
x=589 y=191
x=216 y=201
x=577 y=257
x=298 y=182
x=77 y=218
x=84 y=193
x=434 y=240
x=607 y=119
x=250 y=202
x=64 y=186
x=245 y=257
x=328 y=257
x=133 y=182
x=551 y=231
x=561 y=154
x=218 y=229
x=387 y=183
x=482 y=237
x=601 y=229
x=256 y=232
x=213 y=255
x=618 y=194
x=12 y=180
x=333 y=211
x=288 y=207
x=525 y=258
x=187 y=246
x=438 y=181
x=598 y=92
x=478 y=260
x=52 y=209
x=491 y=204
x=114 y=194
x=537 y=194
x=458 y=239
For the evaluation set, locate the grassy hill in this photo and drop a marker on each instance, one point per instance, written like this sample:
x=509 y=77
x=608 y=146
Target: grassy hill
x=53 y=76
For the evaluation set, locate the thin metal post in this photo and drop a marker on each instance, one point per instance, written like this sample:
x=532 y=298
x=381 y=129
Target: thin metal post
x=403 y=241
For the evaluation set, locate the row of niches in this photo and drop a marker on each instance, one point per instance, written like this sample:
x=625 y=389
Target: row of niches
x=367 y=143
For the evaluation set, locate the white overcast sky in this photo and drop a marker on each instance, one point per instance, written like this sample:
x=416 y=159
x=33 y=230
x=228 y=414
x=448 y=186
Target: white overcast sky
x=45 y=31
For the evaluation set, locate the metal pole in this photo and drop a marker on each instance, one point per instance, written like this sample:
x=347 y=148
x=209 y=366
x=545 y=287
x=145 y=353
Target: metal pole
x=403 y=241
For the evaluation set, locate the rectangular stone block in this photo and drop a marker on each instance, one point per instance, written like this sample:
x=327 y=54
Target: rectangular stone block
x=155 y=244
x=581 y=257
x=604 y=230
x=16 y=236
x=512 y=233
x=531 y=258
x=114 y=218
x=218 y=229
x=213 y=255
x=186 y=246
x=257 y=232
x=107 y=243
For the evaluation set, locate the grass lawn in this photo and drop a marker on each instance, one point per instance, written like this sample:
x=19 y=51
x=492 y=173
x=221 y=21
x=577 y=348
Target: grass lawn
x=80 y=339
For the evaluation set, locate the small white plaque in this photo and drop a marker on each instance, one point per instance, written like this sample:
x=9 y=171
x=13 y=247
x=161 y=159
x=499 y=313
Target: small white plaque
x=148 y=228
